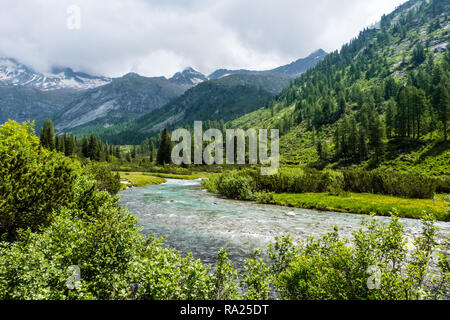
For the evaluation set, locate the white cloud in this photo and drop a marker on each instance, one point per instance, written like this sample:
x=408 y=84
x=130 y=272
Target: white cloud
x=156 y=38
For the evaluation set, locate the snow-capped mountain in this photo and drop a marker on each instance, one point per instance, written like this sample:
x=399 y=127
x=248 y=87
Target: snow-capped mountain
x=188 y=77
x=15 y=73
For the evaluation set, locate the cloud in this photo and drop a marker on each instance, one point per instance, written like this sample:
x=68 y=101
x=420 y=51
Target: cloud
x=156 y=38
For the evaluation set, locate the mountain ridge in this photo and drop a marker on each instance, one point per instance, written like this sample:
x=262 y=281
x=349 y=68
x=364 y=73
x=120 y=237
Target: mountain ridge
x=293 y=69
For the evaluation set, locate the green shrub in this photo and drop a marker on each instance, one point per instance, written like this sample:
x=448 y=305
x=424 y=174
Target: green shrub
x=263 y=197
x=235 y=185
x=374 y=265
x=390 y=183
x=106 y=180
x=33 y=181
x=240 y=184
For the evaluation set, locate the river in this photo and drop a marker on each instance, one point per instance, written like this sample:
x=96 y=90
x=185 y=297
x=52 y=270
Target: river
x=196 y=221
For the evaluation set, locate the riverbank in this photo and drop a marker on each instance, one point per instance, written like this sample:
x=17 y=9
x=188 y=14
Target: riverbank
x=142 y=179
x=200 y=175
x=359 y=203
x=365 y=203
x=357 y=191
x=139 y=179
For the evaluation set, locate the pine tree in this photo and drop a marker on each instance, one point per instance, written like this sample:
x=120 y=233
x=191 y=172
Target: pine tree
x=165 y=149
x=353 y=138
x=337 y=142
x=319 y=149
x=93 y=148
x=85 y=147
x=441 y=101
x=376 y=136
x=390 y=117
x=151 y=153
x=47 y=135
x=59 y=144
x=362 y=144
x=68 y=145
x=117 y=152
x=419 y=54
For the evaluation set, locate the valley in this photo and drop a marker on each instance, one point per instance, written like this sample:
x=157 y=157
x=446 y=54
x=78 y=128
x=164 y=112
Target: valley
x=94 y=173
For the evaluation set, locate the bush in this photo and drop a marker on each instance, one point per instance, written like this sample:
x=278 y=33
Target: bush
x=374 y=265
x=263 y=197
x=33 y=181
x=235 y=185
x=390 y=183
x=106 y=180
x=78 y=225
x=241 y=184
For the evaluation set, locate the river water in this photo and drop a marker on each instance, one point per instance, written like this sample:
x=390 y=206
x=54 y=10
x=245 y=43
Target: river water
x=196 y=221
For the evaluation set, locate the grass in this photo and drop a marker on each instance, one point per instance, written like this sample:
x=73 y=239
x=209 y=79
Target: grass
x=364 y=203
x=195 y=176
x=140 y=179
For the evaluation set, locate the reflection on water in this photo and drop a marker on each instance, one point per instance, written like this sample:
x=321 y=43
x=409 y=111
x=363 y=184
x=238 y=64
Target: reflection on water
x=196 y=221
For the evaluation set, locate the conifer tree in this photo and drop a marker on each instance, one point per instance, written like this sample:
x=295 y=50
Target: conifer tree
x=390 y=117
x=151 y=153
x=93 y=149
x=165 y=149
x=441 y=101
x=47 y=135
x=85 y=147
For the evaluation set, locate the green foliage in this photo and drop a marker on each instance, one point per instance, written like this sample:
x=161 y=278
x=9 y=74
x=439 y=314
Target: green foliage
x=53 y=216
x=47 y=135
x=263 y=197
x=224 y=284
x=248 y=184
x=235 y=185
x=374 y=265
x=106 y=180
x=256 y=278
x=390 y=183
x=33 y=181
x=165 y=149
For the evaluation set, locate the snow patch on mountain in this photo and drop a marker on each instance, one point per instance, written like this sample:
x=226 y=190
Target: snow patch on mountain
x=188 y=77
x=15 y=73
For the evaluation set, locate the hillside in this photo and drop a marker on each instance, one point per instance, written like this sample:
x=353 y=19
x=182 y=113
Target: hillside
x=121 y=100
x=216 y=100
x=28 y=103
x=382 y=100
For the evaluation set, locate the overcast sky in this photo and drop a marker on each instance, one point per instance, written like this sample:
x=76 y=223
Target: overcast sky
x=161 y=37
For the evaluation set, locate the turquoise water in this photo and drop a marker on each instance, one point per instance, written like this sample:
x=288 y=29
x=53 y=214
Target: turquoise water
x=196 y=221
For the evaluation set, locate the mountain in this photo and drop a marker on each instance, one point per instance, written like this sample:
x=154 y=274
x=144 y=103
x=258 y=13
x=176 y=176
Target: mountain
x=28 y=103
x=300 y=66
x=293 y=70
x=224 y=99
x=188 y=78
x=382 y=101
x=73 y=99
x=14 y=73
x=218 y=100
x=80 y=103
x=120 y=101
